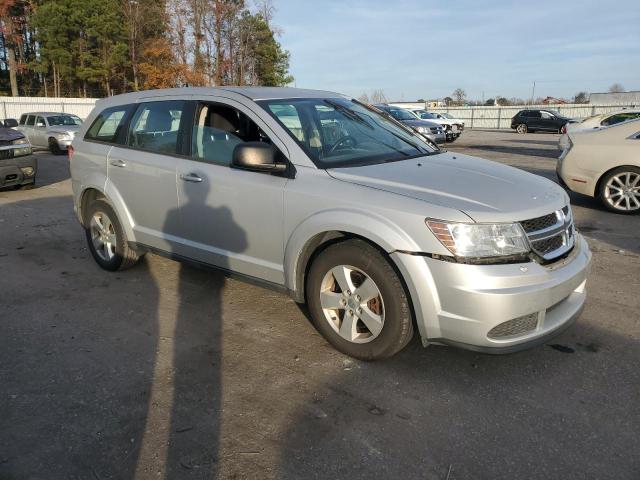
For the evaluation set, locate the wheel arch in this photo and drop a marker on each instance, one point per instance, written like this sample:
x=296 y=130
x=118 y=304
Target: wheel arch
x=316 y=233
x=91 y=193
x=598 y=184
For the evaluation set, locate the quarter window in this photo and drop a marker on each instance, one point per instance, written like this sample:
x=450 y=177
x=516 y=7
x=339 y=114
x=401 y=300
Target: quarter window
x=219 y=129
x=107 y=125
x=156 y=126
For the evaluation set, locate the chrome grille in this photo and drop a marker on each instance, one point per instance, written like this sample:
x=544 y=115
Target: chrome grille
x=539 y=223
x=514 y=327
x=551 y=235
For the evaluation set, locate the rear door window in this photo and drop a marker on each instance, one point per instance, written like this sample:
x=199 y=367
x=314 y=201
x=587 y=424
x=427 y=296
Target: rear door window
x=23 y=119
x=107 y=126
x=31 y=120
x=157 y=127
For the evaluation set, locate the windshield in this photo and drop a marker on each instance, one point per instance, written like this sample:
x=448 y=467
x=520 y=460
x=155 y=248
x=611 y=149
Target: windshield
x=64 y=120
x=401 y=114
x=446 y=115
x=424 y=114
x=337 y=132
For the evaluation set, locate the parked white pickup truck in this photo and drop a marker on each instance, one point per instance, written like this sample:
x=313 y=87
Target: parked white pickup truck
x=453 y=128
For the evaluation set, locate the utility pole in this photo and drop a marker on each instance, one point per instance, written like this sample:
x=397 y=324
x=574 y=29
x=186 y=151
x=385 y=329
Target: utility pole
x=533 y=91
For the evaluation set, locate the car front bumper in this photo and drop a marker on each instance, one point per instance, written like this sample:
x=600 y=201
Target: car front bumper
x=12 y=173
x=462 y=304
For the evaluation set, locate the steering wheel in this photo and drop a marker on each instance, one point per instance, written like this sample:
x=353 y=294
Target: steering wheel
x=343 y=140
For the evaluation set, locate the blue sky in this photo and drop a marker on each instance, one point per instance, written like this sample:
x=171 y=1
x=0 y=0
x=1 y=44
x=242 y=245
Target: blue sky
x=424 y=48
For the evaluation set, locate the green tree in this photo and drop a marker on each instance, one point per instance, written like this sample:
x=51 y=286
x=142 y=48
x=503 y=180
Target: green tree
x=264 y=60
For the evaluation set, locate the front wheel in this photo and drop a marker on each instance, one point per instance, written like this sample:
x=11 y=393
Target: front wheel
x=620 y=190
x=106 y=238
x=357 y=301
x=522 y=128
x=54 y=146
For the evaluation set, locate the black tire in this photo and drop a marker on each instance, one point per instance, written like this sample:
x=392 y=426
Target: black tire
x=522 y=128
x=602 y=189
x=124 y=257
x=397 y=329
x=55 y=147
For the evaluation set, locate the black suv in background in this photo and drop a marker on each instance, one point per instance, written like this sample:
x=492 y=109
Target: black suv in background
x=542 y=120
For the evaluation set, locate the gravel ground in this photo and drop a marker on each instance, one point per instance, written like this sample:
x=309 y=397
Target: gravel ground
x=168 y=371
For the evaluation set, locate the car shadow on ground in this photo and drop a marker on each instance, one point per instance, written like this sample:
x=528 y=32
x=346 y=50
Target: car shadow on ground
x=530 y=142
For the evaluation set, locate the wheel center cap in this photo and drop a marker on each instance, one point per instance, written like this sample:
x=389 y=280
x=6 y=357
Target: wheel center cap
x=353 y=303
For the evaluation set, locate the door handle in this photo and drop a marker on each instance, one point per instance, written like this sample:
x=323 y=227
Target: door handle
x=191 y=177
x=118 y=163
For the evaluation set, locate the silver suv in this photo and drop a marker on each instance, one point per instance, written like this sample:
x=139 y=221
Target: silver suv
x=322 y=196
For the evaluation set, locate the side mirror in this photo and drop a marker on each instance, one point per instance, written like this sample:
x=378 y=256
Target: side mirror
x=257 y=157
x=40 y=125
x=10 y=123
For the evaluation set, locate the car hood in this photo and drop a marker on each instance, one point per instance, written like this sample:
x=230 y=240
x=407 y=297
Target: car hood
x=420 y=123
x=65 y=129
x=9 y=134
x=484 y=190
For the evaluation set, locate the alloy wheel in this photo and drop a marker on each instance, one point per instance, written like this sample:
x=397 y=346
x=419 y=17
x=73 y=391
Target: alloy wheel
x=103 y=236
x=352 y=304
x=622 y=191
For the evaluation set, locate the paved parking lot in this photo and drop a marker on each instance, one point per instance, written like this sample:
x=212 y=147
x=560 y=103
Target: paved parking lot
x=168 y=371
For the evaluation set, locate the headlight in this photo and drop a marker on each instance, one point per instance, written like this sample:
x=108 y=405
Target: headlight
x=20 y=141
x=27 y=171
x=480 y=239
x=63 y=136
x=422 y=130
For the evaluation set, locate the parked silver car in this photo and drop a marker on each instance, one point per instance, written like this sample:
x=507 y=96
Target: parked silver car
x=51 y=130
x=344 y=208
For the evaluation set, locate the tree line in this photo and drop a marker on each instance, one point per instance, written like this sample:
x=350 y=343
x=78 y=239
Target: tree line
x=95 y=48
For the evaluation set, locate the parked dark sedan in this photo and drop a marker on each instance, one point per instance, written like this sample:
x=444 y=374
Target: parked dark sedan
x=433 y=131
x=539 y=120
x=18 y=165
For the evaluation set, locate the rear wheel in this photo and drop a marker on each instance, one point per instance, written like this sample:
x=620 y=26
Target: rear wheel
x=619 y=190
x=357 y=301
x=106 y=238
x=522 y=128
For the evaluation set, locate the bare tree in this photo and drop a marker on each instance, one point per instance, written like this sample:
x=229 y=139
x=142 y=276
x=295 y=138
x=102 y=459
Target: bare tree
x=378 y=96
x=581 y=97
x=616 y=88
x=364 y=98
x=460 y=95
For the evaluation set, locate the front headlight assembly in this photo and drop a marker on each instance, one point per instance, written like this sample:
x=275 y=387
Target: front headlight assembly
x=20 y=141
x=480 y=240
x=422 y=130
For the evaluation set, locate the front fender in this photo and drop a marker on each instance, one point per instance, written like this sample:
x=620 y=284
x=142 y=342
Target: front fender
x=377 y=229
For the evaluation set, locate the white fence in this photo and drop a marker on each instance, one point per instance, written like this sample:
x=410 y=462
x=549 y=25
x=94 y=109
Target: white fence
x=500 y=117
x=13 y=107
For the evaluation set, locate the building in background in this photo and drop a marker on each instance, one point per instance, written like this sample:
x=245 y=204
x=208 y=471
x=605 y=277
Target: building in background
x=621 y=98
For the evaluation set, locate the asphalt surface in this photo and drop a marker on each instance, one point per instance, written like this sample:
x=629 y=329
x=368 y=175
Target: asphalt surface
x=168 y=371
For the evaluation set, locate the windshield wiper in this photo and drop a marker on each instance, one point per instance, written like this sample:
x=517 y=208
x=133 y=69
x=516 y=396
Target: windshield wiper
x=349 y=113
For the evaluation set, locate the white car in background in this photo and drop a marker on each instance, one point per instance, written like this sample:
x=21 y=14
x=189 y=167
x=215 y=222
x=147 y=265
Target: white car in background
x=52 y=130
x=453 y=128
x=603 y=120
x=605 y=164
